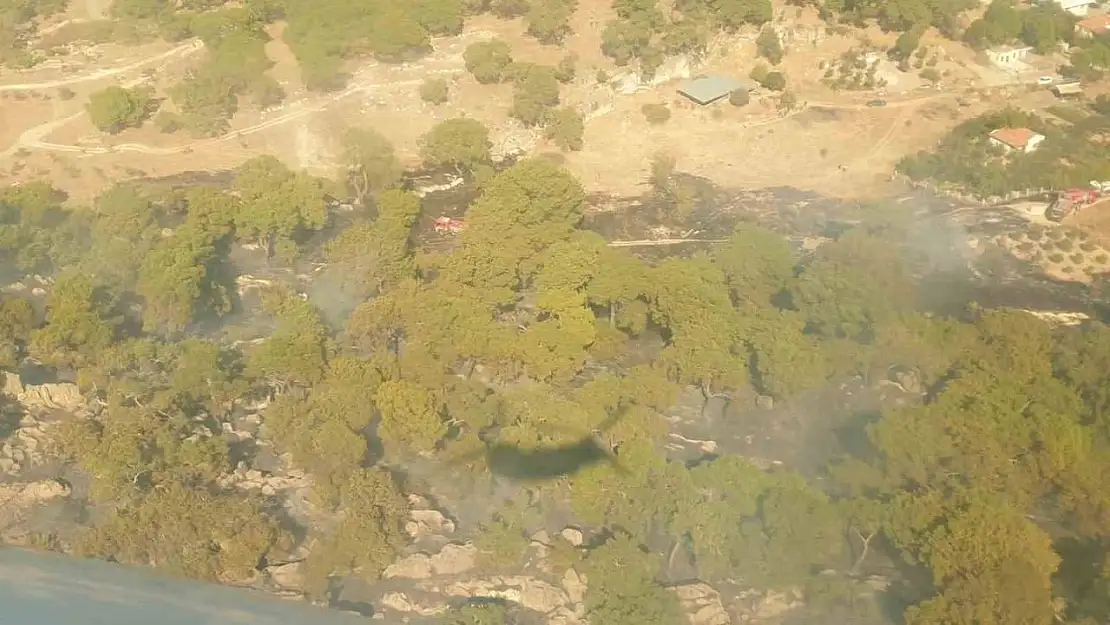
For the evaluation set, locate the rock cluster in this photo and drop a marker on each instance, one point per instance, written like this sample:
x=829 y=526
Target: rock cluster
x=16 y=500
x=24 y=448
x=268 y=484
x=24 y=445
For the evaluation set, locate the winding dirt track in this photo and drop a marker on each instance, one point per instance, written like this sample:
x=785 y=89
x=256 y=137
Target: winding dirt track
x=185 y=49
x=33 y=138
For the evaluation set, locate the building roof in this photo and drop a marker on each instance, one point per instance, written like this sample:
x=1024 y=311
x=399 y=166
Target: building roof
x=1068 y=88
x=1014 y=137
x=1096 y=24
x=1006 y=49
x=711 y=88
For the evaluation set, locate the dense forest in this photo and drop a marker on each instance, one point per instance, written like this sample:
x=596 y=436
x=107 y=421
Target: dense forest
x=981 y=501
x=529 y=334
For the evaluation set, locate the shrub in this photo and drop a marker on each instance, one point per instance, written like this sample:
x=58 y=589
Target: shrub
x=434 y=90
x=114 y=108
x=1087 y=246
x=567 y=68
x=488 y=60
x=1056 y=257
x=1077 y=258
x=656 y=113
x=739 y=97
x=565 y=127
x=775 y=81
x=1065 y=245
x=1026 y=247
x=1101 y=258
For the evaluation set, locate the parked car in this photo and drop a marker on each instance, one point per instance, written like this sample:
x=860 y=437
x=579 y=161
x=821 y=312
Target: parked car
x=877 y=103
x=1045 y=80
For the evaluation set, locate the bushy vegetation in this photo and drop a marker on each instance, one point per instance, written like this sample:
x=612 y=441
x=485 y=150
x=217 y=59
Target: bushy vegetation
x=1068 y=157
x=114 y=108
x=972 y=483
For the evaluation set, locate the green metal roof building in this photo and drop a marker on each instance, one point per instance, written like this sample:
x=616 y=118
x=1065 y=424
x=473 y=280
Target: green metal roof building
x=709 y=89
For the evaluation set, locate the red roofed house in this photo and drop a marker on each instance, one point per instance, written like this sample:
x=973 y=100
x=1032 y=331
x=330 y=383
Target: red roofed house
x=1021 y=139
x=1093 y=26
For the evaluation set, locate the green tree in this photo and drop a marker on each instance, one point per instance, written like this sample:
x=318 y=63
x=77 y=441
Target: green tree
x=549 y=20
x=907 y=43
x=368 y=537
x=297 y=349
x=114 y=108
x=769 y=46
x=739 y=97
x=277 y=204
x=622 y=589
x=462 y=143
x=565 y=127
x=79 y=323
x=178 y=280
x=186 y=532
x=523 y=211
x=434 y=90
x=206 y=105
x=16 y=320
x=371 y=161
x=410 y=416
x=488 y=60
x=535 y=92
x=775 y=81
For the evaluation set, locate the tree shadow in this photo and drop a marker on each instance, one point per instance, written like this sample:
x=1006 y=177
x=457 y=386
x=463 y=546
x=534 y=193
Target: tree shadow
x=11 y=413
x=1079 y=578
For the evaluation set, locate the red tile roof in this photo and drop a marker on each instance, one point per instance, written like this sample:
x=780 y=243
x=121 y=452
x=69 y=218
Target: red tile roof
x=1013 y=137
x=1096 y=24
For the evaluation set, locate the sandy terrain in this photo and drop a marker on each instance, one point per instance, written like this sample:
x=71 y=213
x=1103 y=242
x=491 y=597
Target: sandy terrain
x=836 y=145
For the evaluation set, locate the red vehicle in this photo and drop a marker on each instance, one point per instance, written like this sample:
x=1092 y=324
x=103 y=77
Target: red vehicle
x=448 y=225
x=1069 y=201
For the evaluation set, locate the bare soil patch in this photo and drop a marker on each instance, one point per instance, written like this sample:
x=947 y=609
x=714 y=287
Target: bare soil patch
x=19 y=112
x=840 y=149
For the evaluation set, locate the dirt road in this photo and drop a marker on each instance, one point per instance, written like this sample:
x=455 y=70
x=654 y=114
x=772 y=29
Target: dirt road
x=184 y=50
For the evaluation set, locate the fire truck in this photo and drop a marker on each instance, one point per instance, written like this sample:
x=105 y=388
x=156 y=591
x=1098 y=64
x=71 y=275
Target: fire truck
x=1070 y=201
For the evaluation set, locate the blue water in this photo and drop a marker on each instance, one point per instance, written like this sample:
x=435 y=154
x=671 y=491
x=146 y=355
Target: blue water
x=48 y=589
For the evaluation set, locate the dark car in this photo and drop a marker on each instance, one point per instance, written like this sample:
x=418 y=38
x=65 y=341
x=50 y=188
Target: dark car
x=876 y=103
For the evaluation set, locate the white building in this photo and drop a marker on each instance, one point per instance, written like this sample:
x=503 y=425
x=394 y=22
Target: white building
x=1016 y=139
x=1008 y=55
x=1075 y=7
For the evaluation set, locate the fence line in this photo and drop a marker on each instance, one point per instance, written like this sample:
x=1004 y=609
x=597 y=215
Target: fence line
x=972 y=199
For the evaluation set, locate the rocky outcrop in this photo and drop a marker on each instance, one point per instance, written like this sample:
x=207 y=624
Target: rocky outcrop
x=42 y=397
x=25 y=447
x=268 y=484
x=451 y=560
x=702 y=604
x=17 y=500
x=425 y=523
x=758 y=606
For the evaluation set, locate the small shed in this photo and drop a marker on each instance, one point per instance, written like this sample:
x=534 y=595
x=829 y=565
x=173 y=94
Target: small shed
x=711 y=88
x=1068 y=90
